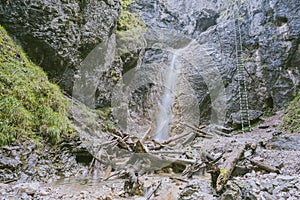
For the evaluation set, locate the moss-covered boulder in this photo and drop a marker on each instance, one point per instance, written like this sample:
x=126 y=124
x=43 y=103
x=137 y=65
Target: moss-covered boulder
x=31 y=106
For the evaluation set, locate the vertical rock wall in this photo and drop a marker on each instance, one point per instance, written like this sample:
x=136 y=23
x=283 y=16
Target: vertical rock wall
x=58 y=35
x=270 y=34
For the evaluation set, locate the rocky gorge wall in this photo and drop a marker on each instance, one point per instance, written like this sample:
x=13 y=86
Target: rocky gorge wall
x=60 y=35
x=270 y=34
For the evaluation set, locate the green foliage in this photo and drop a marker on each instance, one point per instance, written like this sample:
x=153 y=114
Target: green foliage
x=31 y=107
x=272 y=38
x=108 y=126
x=114 y=75
x=104 y=113
x=291 y=120
x=128 y=20
x=98 y=119
x=223 y=173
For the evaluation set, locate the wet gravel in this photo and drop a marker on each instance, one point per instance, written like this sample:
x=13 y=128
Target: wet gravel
x=28 y=172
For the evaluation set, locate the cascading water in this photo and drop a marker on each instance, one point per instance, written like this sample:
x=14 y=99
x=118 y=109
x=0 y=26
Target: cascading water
x=165 y=115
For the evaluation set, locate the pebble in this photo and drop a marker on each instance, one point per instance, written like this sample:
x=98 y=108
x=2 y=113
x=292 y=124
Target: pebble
x=248 y=153
x=266 y=195
x=298 y=185
x=270 y=186
x=43 y=192
x=29 y=188
x=285 y=178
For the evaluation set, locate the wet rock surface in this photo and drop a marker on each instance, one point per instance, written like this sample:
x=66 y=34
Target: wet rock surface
x=88 y=183
x=60 y=35
x=270 y=35
x=266 y=186
x=25 y=162
x=27 y=169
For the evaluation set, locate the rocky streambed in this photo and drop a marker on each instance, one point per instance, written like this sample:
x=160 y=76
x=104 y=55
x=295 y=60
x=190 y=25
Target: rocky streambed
x=42 y=173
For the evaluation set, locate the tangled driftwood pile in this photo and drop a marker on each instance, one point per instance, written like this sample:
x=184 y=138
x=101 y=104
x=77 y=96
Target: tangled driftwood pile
x=122 y=155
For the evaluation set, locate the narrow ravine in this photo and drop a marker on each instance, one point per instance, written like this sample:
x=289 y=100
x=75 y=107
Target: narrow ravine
x=141 y=99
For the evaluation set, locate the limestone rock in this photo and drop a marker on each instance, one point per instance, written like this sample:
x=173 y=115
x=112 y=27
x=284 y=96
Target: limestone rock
x=253 y=115
x=58 y=35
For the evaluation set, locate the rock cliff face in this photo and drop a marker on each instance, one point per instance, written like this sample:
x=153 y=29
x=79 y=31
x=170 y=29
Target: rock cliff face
x=58 y=35
x=270 y=33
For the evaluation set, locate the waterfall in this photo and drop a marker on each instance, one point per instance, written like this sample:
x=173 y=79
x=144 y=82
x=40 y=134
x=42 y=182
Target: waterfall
x=165 y=115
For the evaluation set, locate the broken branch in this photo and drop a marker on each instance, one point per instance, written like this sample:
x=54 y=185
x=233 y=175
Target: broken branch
x=153 y=191
x=264 y=166
x=198 y=130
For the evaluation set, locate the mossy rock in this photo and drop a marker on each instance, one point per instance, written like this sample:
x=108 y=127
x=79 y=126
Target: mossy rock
x=127 y=19
x=31 y=107
x=291 y=119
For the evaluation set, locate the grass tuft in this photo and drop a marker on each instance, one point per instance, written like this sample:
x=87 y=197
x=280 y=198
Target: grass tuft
x=31 y=107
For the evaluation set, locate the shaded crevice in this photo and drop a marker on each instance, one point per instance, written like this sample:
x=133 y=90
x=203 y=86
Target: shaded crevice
x=43 y=55
x=280 y=20
x=83 y=157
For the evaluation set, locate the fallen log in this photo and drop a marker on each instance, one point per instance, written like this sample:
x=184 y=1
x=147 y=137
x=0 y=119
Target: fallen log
x=192 y=169
x=208 y=163
x=117 y=174
x=107 y=172
x=198 y=130
x=221 y=133
x=138 y=147
x=180 y=161
x=167 y=152
x=91 y=166
x=230 y=164
x=122 y=142
x=264 y=166
x=177 y=137
x=146 y=135
x=179 y=179
x=189 y=139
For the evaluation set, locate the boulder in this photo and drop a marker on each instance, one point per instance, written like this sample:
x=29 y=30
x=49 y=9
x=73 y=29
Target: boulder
x=253 y=116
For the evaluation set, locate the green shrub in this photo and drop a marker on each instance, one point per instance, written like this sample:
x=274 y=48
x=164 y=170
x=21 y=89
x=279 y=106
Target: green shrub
x=130 y=34
x=31 y=106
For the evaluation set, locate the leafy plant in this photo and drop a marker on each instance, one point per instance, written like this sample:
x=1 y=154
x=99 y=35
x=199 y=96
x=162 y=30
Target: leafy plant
x=108 y=126
x=223 y=173
x=31 y=106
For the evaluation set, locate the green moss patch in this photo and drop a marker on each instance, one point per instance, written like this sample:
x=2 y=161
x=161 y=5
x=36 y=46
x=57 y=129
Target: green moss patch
x=128 y=20
x=31 y=106
x=291 y=119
